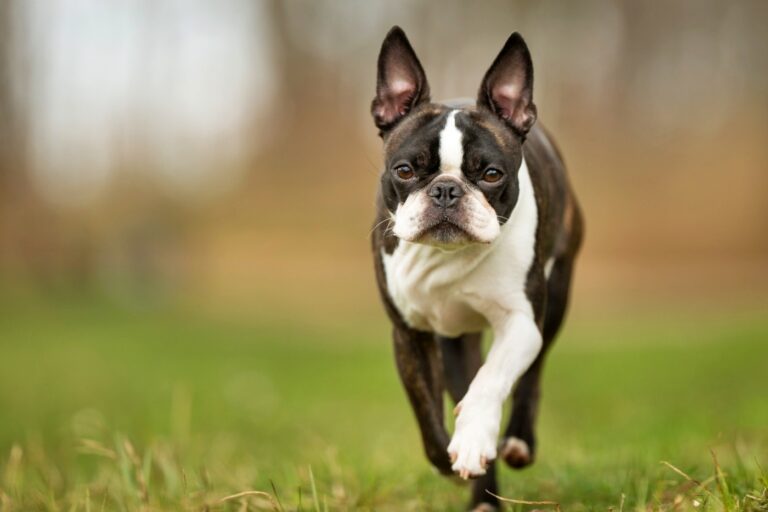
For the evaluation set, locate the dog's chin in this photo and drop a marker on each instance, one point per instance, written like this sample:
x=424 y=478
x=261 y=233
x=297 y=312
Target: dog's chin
x=446 y=235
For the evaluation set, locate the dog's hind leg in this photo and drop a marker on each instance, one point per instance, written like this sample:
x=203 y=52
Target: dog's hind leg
x=519 y=443
x=462 y=357
x=419 y=364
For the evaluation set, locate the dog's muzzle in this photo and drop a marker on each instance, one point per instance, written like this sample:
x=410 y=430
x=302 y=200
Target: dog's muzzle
x=445 y=193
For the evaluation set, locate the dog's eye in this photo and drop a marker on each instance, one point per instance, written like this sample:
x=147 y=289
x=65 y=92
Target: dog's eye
x=404 y=172
x=492 y=175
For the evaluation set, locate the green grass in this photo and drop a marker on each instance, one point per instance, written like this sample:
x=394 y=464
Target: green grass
x=103 y=408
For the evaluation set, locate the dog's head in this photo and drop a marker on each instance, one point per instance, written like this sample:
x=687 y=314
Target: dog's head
x=450 y=175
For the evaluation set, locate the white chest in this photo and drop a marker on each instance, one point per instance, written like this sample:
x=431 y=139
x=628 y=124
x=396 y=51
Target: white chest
x=424 y=284
x=455 y=292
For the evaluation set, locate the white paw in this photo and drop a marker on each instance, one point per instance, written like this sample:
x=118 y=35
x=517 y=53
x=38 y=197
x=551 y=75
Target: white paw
x=474 y=441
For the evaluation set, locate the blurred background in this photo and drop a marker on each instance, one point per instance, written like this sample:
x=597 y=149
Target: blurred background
x=222 y=153
x=217 y=159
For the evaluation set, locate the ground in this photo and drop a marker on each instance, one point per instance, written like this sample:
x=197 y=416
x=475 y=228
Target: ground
x=107 y=407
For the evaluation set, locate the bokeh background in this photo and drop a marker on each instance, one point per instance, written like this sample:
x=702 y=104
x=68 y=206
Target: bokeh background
x=222 y=152
x=187 y=190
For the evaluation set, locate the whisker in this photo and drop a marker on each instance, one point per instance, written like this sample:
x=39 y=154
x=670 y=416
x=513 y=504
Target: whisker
x=379 y=224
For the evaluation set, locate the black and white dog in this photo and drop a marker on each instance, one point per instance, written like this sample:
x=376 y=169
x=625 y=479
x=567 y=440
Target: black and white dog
x=476 y=227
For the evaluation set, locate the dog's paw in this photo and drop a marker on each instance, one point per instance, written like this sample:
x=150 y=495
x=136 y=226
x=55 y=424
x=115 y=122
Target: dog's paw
x=515 y=452
x=473 y=444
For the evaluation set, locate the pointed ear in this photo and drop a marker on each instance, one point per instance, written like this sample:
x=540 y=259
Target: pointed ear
x=401 y=83
x=507 y=88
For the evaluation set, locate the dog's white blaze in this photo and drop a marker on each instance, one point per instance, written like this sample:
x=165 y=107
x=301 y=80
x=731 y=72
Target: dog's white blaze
x=451 y=151
x=455 y=292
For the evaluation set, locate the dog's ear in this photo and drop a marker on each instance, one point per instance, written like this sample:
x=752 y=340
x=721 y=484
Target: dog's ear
x=507 y=88
x=401 y=83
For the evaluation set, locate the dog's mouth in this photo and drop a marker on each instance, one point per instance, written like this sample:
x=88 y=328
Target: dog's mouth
x=445 y=232
x=459 y=226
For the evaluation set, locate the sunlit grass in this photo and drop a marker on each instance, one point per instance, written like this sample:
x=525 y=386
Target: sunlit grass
x=102 y=408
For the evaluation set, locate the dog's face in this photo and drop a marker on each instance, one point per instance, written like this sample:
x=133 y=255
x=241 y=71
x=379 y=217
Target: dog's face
x=450 y=176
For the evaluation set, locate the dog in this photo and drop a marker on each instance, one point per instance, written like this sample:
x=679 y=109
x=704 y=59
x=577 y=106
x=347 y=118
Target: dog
x=476 y=227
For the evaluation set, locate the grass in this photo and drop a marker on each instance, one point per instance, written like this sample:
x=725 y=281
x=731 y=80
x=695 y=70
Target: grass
x=107 y=408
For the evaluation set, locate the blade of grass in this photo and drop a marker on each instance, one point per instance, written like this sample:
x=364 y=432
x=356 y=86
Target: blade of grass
x=244 y=494
x=722 y=485
x=276 y=495
x=104 y=499
x=763 y=477
x=314 y=490
x=699 y=485
x=526 y=502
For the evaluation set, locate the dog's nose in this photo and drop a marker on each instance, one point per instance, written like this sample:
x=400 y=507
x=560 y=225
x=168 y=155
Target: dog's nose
x=446 y=194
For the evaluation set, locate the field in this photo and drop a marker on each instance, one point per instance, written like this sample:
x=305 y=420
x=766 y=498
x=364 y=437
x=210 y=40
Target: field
x=116 y=408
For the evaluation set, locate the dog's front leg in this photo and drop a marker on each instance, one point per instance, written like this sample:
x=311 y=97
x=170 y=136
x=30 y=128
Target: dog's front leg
x=516 y=343
x=420 y=368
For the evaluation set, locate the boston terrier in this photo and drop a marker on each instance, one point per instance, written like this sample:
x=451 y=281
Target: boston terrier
x=477 y=227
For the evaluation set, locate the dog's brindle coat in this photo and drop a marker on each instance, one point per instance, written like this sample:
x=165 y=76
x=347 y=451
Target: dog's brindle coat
x=435 y=353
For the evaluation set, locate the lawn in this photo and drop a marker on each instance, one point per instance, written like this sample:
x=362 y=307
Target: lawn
x=111 y=408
